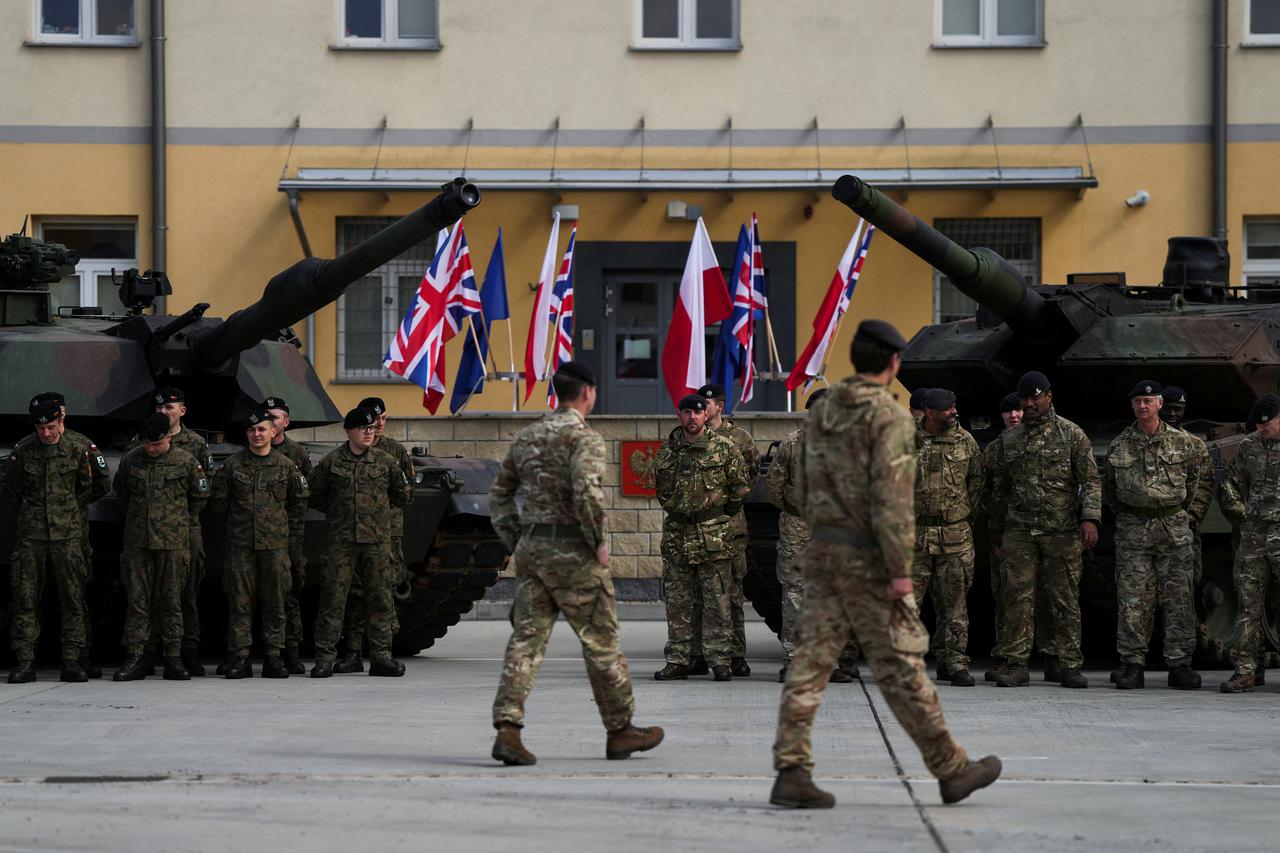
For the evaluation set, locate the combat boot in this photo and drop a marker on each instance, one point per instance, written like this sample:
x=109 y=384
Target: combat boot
x=175 y=670
x=191 y=659
x=508 y=749
x=782 y=673
x=998 y=666
x=962 y=678
x=239 y=667
x=1238 y=683
x=1259 y=674
x=739 y=667
x=975 y=775
x=292 y=661
x=90 y=668
x=222 y=666
x=1130 y=677
x=148 y=663
x=133 y=669
x=794 y=789
x=672 y=672
x=349 y=662
x=1013 y=675
x=1071 y=676
x=72 y=672
x=1052 y=668
x=388 y=667
x=273 y=667
x=720 y=672
x=698 y=666
x=943 y=673
x=839 y=676
x=850 y=668
x=322 y=669
x=25 y=671
x=1183 y=677
x=628 y=739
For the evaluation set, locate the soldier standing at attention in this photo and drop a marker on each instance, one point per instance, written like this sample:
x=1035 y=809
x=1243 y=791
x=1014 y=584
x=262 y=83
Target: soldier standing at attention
x=262 y=495
x=793 y=534
x=357 y=486
x=1173 y=412
x=701 y=481
x=949 y=481
x=298 y=455
x=1011 y=416
x=859 y=469
x=1158 y=481
x=162 y=488
x=1250 y=497
x=49 y=480
x=560 y=545
x=1046 y=471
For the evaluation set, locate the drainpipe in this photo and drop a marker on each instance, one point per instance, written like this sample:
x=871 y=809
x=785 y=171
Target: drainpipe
x=159 y=221
x=1220 y=118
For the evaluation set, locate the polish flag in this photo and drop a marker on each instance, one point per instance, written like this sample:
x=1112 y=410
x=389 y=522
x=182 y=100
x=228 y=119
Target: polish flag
x=704 y=299
x=535 y=348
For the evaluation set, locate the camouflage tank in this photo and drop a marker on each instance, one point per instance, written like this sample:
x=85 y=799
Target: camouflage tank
x=109 y=367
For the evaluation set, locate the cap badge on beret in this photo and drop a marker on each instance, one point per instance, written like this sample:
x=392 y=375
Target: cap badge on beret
x=693 y=402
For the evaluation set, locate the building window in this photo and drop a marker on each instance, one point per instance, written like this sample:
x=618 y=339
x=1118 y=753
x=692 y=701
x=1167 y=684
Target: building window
x=989 y=23
x=103 y=245
x=1262 y=258
x=1016 y=240
x=1262 y=22
x=687 y=25
x=396 y=24
x=85 y=22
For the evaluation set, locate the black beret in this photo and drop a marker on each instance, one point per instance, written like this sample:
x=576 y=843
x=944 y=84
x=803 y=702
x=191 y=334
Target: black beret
x=1145 y=388
x=275 y=403
x=47 y=411
x=712 y=391
x=1033 y=384
x=359 y=417
x=1173 y=394
x=373 y=404
x=1010 y=403
x=882 y=333
x=578 y=371
x=169 y=395
x=815 y=397
x=917 y=398
x=46 y=397
x=1267 y=407
x=939 y=399
x=693 y=402
x=257 y=416
x=154 y=427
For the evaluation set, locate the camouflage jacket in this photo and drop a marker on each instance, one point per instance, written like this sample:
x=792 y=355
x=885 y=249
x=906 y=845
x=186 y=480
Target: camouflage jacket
x=397 y=451
x=701 y=485
x=784 y=488
x=859 y=469
x=949 y=477
x=263 y=499
x=97 y=462
x=560 y=462
x=1046 y=480
x=747 y=447
x=1169 y=468
x=358 y=493
x=297 y=454
x=1250 y=488
x=52 y=485
x=990 y=461
x=162 y=498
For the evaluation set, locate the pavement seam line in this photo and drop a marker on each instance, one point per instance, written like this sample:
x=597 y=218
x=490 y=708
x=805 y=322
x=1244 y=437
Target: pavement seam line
x=33 y=693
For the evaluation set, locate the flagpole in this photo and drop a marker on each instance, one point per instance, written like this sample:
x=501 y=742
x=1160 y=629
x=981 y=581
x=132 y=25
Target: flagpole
x=471 y=327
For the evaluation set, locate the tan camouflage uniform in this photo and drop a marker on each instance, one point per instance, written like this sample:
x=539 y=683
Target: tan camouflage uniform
x=859 y=484
x=297 y=556
x=747 y=447
x=560 y=462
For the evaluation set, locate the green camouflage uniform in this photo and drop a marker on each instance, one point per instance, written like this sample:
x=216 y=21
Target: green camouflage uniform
x=162 y=499
x=297 y=557
x=783 y=481
x=263 y=499
x=101 y=487
x=50 y=485
x=1045 y=485
x=701 y=485
x=1250 y=497
x=560 y=463
x=859 y=471
x=1158 y=486
x=949 y=478
x=358 y=495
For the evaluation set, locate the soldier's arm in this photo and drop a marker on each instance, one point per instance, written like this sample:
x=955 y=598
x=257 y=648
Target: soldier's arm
x=893 y=494
x=776 y=478
x=587 y=460
x=11 y=483
x=205 y=458
x=319 y=486
x=296 y=505
x=1085 y=471
x=219 y=490
x=737 y=486
x=502 y=502
x=752 y=457
x=976 y=478
x=664 y=476
x=998 y=493
x=197 y=492
x=120 y=485
x=410 y=475
x=85 y=480
x=398 y=492
x=101 y=474
x=1232 y=491
x=1199 y=484
x=1109 y=478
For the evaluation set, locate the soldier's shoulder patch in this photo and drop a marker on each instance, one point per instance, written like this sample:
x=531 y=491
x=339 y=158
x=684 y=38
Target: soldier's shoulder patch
x=302 y=478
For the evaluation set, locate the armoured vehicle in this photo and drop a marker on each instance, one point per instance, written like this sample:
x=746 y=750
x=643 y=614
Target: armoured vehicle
x=110 y=366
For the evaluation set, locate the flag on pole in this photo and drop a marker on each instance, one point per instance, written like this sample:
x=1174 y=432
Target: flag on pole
x=493 y=307
x=562 y=316
x=703 y=300
x=535 y=348
x=446 y=295
x=834 y=305
x=726 y=361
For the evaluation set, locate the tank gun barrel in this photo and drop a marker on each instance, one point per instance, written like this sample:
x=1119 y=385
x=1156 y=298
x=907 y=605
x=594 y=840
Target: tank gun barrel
x=313 y=283
x=981 y=274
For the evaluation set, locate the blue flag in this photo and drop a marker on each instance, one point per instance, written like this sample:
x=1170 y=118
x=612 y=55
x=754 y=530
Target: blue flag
x=493 y=305
x=726 y=362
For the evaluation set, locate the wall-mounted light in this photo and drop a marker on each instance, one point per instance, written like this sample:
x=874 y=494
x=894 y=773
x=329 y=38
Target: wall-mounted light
x=568 y=212
x=679 y=211
x=1138 y=199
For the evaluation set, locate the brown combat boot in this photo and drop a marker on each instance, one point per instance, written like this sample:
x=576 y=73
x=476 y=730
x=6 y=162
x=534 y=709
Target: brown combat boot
x=1013 y=675
x=672 y=672
x=975 y=775
x=1238 y=683
x=998 y=666
x=628 y=739
x=508 y=749
x=794 y=789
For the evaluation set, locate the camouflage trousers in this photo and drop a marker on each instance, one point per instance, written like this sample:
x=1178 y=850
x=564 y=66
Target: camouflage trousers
x=190 y=594
x=1054 y=560
x=1154 y=564
x=551 y=579
x=153 y=582
x=32 y=561
x=697 y=598
x=847 y=590
x=737 y=600
x=789 y=550
x=252 y=577
x=1257 y=565
x=355 y=623
x=948 y=578
x=370 y=562
x=293 y=599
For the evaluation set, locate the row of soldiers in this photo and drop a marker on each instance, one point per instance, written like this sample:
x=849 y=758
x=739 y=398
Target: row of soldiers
x=163 y=483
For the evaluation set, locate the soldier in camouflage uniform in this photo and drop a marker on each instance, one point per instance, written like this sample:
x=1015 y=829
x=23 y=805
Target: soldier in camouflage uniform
x=49 y=480
x=1158 y=481
x=1011 y=416
x=793 y=534
x=560 y=547
x=1046 y=504
x=162 y=489
x=298 y=455
x=1173 y=412
x=949 y=480
x=858 y=473
x=263 y=496
x=1249 y=495
x=357 y=486
x=701 y=482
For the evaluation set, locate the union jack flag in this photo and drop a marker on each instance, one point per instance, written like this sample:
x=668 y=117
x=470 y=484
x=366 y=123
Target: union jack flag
x=750 y=301
x=445 y=297
x=562 y=316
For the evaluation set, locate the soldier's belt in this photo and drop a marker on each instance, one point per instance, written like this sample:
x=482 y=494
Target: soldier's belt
x=555 y=531
x=844 y=536
x=936 y=521
x=1149 y=512
x=695 y=517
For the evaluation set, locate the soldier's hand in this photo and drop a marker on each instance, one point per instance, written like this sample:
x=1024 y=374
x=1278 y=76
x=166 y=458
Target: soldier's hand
x=1088 y=533
x=899 y=588
x=602 y=555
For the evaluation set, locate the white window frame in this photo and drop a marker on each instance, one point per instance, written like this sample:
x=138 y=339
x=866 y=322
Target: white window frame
x=1259 y=39
x=1263 y=268
x=88 y=269
x=391 y=39
x=987 y=21
x=688 y=27
x=88 y=28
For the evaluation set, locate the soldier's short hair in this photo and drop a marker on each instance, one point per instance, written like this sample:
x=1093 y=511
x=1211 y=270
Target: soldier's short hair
x=567 y=386
x=870 y=355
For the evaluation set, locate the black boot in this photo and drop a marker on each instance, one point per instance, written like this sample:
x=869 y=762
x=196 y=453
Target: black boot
x=191 y=659
x=1071 y=676
x=1183 y=677
x=148 y=663
x=134 y=669
x=672 y=672
x=175 y=670
x=739 y=668
x=322 y=669
x=274 y=667
x=25 y=671
x=961 y=678
x=698 y=666
x=72 y=672
x=90 y=668
x=721 y=672
x=239 y=667
x=1052 y=669
x=222 y=666
x=349 y=662
x=292 y=662
x=387 y=666
x=1130 y=677
x=839 y=676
